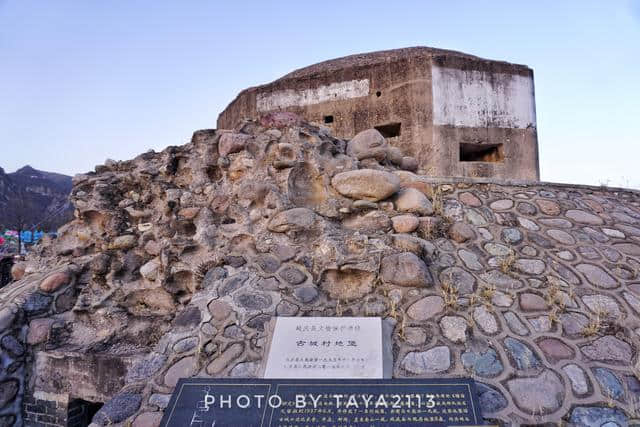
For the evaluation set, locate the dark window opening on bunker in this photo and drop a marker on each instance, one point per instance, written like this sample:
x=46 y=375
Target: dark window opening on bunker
x=81 y=412
x=390 y=130
x=481 y=152
x=328 y=119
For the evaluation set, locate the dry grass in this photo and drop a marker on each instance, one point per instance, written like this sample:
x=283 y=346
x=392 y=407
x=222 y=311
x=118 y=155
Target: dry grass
x=437 y=202
x=339 y=308
x=470 y=322
x=450 y=294
x=393 y=309
x=488 y=292
x=554 y=297
x=403 y=328
x=554 y=315
x=473 y=300
x=507 y=262
x=595 y=324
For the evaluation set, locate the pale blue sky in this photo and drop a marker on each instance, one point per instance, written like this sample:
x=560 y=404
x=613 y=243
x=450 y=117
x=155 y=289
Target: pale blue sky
x=86 y=80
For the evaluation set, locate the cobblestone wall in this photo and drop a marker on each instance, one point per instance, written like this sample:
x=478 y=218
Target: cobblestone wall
x=177 y=260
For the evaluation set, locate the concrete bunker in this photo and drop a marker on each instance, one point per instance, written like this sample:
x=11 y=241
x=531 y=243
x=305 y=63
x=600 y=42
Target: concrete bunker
x=68 y=389
x=433 y=104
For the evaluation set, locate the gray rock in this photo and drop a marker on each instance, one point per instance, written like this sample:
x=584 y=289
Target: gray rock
x=602 y=303
x=7 y=316
x=367 y=184
x=286 y=308
x=225 y=358
x=370 y=222
x=528 y=224
x=500 y=280
x=437 y=359
x=305 y=294
x=590 y=253
x=160 y=400
x=415 y=336
x=511 y=236
x=530 y=266
x=413 y=201
x=36 y=303
x=584 y=217
x=295 y=220
x=233 y=332
x=526 y=208
x=145 y=368
x=426 y=308
x=268 y=263
x=501 y=205
x=497 y=249
x=292 y=275
x=118 y=409
x=523 y=357
x=610 y=384
x=485 y=320
x=368 y=144
x=253 y=301
x=579 y=380
x=454 y=328
x=597 y=276
x=460 y=278
x=245 y=370
x=231 y=143
x=256 y=323
x=540 y=323
x=461 y=232
x=541 y=241
x=556 y=222
x=573 y=323
x=12 y=345
x=537 y=395
x=597 y=416
x=185 y=344
x=485 y=364
x=608 y=349
x=475 y=217
x=491 y=399
x=213 y=275
x=233 y=283
x=561 y=236
x=470 y=260
x=8 y=390
x=405 y=269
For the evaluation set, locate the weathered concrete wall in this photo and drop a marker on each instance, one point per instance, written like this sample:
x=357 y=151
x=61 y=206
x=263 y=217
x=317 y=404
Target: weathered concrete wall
x=290 y=98
x=469 y=100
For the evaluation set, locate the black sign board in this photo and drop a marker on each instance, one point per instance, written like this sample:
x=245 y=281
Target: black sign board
x=208 y=402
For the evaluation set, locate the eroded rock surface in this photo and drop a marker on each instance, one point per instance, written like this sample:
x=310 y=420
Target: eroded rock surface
x=176 y=261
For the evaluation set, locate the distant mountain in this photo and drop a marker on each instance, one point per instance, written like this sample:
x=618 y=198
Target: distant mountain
x=30 y=198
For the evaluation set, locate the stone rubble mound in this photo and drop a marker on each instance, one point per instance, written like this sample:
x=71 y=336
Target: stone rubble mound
x=176 y=261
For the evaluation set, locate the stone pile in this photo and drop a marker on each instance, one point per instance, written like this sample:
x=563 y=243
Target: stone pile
x=176 y=260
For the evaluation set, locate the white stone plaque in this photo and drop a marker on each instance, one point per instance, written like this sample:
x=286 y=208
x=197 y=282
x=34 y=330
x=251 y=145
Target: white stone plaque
x=326 y=347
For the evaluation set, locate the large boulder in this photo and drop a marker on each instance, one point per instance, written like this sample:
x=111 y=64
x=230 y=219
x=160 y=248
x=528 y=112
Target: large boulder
x=368 y=144
x=367 y=184
x=232 y=143
x=296 y=219
x=414 y=201
x=405 y=269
